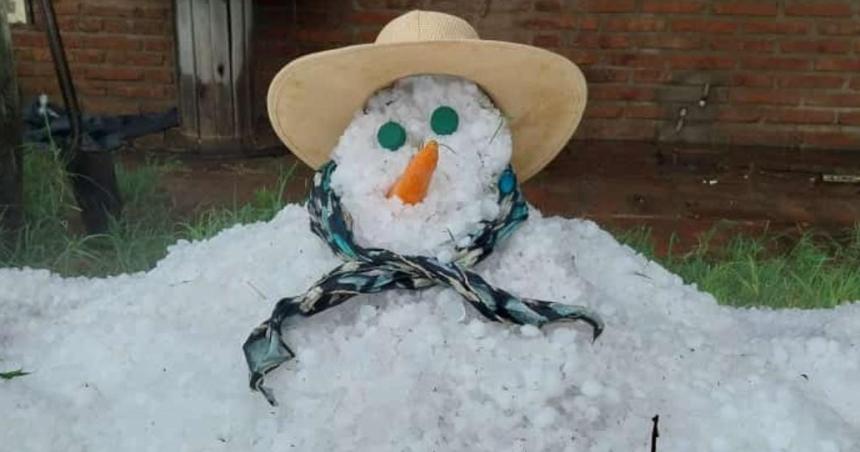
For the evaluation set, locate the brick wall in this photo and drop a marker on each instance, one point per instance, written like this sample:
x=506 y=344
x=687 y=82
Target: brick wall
x=779 y=72
x=784 y=73
x=120 y=54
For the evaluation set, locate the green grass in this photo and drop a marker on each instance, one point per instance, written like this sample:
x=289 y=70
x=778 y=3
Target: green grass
x=52 y=237
x=812 y=270
x=809 y=271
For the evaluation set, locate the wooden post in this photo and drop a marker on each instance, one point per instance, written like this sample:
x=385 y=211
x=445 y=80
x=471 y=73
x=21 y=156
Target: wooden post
x=213 y=39
x=10 y=133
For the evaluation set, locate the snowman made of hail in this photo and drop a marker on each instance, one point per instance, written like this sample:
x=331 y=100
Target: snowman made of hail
x=418 y=167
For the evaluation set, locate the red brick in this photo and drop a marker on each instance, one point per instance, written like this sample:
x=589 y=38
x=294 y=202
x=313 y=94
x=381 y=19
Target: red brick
x=764 y=96
x=811 y=81
x=747 y=8
x=371 y=17
x=799 y=116
x=646 y=111
x=90 y=88
x=604 y=75
x=634 y=24
x=34 y=69
x=135 y=58
x=818 y=9
x=157 y=44
x=86 y=56
x=832 y=139
x=42 y=54
x=855 y=83
x=151 y=27
x=117 y=25
x=108 y=42
x=608 y=6
x=589 y=23
x=581 y=57
x=602 y=41
x=89 y=24
x=620 y=92
x=106 y=10
x=846 y=27
x=113 y=73
x=700 y=62
x=135 y=90
x=649 y=76
x=751 y=79
x=672 y=6
x=598 y=110
x=703 y=26
x=735 y=114
x=618 y=129
x=817 y=46
x=556 y=22
x=668 y=41
x=770 y=27
x=153 y=12
x=548 y=5
x=64 y=8
x=637 y=60
x=734 y=44
x=756 y=135
x=28 y=38
x=776 y=63
x=849 y=118
x=160 y=75
x=834 y=100
x=838 y=64
x=546 y=40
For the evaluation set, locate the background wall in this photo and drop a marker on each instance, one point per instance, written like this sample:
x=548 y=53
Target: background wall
x=779 y=72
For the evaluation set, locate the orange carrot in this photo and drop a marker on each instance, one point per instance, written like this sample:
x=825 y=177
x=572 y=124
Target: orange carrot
x=412 y=186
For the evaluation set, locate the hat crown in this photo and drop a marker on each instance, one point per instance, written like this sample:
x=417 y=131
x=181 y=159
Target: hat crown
x=425 y=26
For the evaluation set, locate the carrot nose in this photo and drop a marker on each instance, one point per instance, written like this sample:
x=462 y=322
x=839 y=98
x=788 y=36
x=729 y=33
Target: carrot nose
x=412 y=185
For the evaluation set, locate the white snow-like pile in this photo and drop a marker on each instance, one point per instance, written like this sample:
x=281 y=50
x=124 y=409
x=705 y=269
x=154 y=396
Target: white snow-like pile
x=462 y=190
x=153 y=361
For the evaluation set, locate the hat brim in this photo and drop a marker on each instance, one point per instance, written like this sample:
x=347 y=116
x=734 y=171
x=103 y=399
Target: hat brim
x=313 y=99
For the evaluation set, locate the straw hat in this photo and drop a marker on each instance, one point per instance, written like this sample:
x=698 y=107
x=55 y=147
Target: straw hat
x=312 y=99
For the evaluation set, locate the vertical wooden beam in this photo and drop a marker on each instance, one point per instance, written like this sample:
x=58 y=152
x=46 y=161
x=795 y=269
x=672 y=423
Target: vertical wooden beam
x=213 y=48
x=10 y=134
x=242 y=25
x=187 y=69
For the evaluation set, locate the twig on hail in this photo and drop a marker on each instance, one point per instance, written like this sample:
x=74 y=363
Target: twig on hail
x=654 y=432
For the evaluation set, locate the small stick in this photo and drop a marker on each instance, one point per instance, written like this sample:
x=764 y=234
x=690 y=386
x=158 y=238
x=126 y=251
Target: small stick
x=654 y=433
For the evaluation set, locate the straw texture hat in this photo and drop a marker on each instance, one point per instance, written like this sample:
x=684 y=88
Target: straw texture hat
x=312 y=99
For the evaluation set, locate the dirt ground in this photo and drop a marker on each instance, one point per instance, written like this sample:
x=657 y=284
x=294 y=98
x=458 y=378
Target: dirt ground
x=678 y=189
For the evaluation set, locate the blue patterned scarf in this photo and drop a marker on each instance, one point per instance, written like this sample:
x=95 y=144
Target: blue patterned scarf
x=372 y=270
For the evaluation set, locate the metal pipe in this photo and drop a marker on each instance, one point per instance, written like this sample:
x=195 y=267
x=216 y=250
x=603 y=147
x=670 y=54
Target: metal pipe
x=64 y=76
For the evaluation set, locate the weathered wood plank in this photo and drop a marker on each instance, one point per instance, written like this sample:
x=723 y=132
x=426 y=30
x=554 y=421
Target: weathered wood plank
x=222 y=70
x=203 y=67
x=242 y=25
x=188 y=109
x=214 y=39
x=10 y=134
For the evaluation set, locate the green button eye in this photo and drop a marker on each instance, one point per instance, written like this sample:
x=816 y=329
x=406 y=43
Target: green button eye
x=391 y=136
x=444 y=120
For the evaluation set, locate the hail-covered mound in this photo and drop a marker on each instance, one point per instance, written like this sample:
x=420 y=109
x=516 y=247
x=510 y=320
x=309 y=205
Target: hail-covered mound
x=474 y=148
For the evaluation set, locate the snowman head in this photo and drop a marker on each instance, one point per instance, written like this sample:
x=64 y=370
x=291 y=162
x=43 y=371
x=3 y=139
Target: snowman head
x=418 y=121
